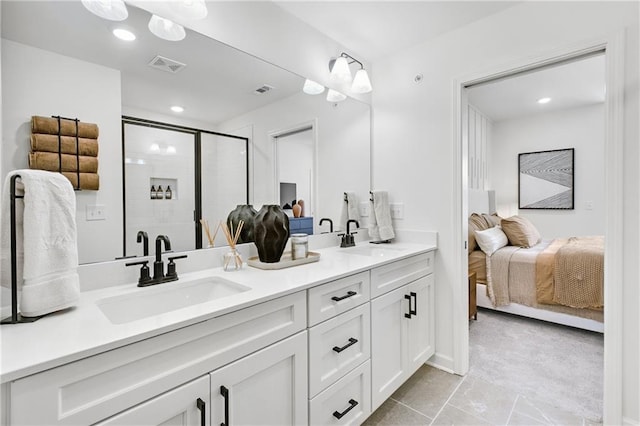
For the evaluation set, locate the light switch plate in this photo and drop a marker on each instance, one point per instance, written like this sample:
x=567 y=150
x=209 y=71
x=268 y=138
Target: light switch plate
x=96 y=212
x=397 y=211
x=364 y=209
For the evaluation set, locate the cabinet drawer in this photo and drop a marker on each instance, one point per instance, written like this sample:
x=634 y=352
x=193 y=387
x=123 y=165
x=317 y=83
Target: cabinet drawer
x=331 y=299
x=100 y=386
x=389 y=277
x=353 y=390
x=338 y=345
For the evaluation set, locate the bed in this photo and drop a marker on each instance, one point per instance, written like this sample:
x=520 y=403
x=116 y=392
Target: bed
x=558 y=280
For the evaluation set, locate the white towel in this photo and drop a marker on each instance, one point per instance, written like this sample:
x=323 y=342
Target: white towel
x=380 y=227
x=349 y=209
x=47 y=253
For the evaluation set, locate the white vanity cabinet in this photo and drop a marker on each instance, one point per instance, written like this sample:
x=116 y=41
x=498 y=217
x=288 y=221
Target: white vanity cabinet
x=98 y=387
x=402 y=324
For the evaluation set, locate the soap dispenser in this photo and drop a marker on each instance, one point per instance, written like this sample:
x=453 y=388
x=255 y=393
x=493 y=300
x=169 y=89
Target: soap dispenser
x=153 y=192
x=168 y=194
x=160 y=193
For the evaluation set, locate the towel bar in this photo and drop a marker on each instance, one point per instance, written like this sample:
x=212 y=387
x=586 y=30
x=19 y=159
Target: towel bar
x=15 y=317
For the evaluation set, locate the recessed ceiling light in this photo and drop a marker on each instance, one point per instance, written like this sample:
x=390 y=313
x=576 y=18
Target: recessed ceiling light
x=544 y=100
x=177 y=108
x=123 y=34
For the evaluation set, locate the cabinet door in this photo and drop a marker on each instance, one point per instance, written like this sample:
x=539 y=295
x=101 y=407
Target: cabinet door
x=389 y=328
x=268 y=387
x=186 y=405
x=420 y=332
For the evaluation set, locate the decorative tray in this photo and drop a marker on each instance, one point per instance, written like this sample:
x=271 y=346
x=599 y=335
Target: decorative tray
x=285 y=261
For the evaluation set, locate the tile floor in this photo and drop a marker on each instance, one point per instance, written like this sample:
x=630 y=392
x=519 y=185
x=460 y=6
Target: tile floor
x=434 y=397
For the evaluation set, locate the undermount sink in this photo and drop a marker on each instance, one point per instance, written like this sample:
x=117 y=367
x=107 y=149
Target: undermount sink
x=163 y=298
x=373 y=250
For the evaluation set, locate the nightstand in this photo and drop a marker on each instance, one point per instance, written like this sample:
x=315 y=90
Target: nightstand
x=473 y=310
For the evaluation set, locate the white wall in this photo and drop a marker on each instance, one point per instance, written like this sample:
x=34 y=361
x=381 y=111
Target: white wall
x=38 y=82
x=414 y=136
x=578 y=128
x=295 y=165
x=343 y=148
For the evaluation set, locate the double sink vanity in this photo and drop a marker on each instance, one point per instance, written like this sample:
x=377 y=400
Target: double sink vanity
x=321 y=343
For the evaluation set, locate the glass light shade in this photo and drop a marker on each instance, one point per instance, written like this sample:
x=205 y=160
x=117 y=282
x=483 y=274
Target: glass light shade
x=334 y=96
x=361 y=83
x=113 y=10
x=312 y=88
x=166 y=29
x=189 y=9
x=341 y=71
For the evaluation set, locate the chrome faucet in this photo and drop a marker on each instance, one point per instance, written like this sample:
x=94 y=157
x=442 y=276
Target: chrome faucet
x=328 y=220
x=144 y=239
x=347 y=238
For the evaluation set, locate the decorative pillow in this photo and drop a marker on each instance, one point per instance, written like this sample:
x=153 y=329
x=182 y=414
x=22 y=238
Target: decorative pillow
x=476 y=223
x=520 y=231
x=491 y=239
x=492 y=219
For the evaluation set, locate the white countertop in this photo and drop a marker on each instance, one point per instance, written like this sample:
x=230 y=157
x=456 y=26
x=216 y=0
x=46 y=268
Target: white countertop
x=84 y=330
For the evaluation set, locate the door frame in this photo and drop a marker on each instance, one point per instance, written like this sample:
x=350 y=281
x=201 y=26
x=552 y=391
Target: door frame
x=614 y=48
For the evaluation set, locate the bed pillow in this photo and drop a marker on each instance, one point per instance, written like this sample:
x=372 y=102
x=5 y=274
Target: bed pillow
x=491 y=239
x=520 y=231
x=476 y=223
x=492 y=219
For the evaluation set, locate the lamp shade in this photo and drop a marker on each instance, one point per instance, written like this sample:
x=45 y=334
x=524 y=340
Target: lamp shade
x=361 y=83
x=312 y=88
x=189 y=9
x=340 y=71
x=334 y=96
x=166 y=29
x=113 y=10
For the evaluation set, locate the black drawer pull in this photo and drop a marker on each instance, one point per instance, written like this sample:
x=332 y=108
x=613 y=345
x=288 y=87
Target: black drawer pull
x=352 y=403
x=346 y=296
x=406 y=296
x=225 y=394
x=203 y=411
x=352 y=341
x=413 y=311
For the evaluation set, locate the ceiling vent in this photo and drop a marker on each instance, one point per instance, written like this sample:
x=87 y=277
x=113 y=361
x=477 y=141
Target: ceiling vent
x=263 y=89
x=166 y=64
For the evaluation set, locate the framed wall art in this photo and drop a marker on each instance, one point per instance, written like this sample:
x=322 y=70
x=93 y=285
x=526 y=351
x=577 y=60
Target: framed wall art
x=546 y=180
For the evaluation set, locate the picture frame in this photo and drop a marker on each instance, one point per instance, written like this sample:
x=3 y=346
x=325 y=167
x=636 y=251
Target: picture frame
x=546 y=179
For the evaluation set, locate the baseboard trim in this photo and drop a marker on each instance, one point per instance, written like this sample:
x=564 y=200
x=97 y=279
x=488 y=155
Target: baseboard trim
x=441 y=362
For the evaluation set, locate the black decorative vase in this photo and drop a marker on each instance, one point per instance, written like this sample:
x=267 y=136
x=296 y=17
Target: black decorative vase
x=271 y=232
x=246 y=213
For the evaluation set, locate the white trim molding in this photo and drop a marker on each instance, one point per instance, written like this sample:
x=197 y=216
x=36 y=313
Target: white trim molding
x=614 y=48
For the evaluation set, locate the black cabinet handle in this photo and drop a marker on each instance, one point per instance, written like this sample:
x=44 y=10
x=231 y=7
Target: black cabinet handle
x=412 y=296
x=352 y=403
x=203 y=411
x=225 y=394
x=346 y=296
x=352 y=341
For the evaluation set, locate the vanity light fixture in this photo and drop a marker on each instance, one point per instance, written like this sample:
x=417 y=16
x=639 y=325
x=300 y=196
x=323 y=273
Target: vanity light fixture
x=123 y=34
x=544 y=100
x=335 y=96
x=340 y=72
x=171 y=149
x=189 y=9
x=113 y=10
x=166 y=29
x=154 y=147
x=312 y=88
x=177 y=108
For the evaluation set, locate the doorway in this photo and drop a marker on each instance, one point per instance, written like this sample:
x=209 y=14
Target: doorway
x=613 y=201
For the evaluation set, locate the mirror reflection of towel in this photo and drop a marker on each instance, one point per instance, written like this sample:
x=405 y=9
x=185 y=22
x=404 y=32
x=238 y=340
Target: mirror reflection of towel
x=47 y=253
x=380 y=225
x=350 y=209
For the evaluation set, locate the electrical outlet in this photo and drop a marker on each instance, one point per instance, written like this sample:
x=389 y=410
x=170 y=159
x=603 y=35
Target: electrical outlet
x=96 y=212
x=364 y=209
x=397 y=211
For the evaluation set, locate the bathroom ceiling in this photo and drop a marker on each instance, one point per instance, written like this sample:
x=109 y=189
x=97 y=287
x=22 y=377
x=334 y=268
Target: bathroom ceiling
x=374 y=29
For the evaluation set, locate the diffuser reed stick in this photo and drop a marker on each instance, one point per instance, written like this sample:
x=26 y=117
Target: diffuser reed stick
x=207 y=230
x=232 y=259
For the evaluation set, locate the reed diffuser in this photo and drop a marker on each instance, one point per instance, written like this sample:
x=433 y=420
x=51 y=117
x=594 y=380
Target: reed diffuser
x=232 y=259
x=207 y=231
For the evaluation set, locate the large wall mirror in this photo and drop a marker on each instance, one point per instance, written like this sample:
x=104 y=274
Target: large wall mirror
x=59 y=59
